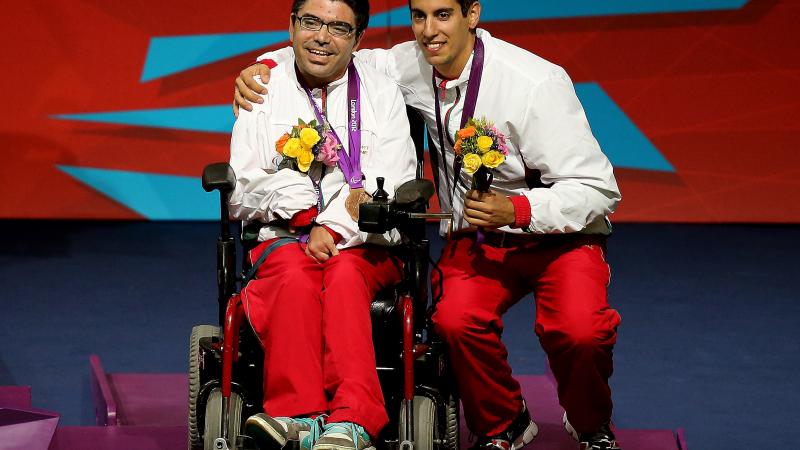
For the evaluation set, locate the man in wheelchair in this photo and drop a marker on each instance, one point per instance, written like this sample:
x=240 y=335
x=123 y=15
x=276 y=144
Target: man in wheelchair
x=304 y=160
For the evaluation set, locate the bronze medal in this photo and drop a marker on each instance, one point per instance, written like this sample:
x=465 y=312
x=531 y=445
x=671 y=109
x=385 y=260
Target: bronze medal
x=356 y=198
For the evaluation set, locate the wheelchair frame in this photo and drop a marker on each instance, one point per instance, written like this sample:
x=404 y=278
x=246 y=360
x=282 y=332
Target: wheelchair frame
x=416 y=361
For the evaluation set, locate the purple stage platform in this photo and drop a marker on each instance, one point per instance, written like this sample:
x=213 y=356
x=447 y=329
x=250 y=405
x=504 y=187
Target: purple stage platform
x=18 y=397
x=134 y=399
x=540 y=393
x=120 y=438
x=21 y=426
x=149 y=412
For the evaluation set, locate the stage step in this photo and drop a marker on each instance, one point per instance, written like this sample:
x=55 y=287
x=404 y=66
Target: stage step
x=120 y=438
x=139 y=399
x=26 y=428
x=16 y=397
x=540 y=394
x=151 y=408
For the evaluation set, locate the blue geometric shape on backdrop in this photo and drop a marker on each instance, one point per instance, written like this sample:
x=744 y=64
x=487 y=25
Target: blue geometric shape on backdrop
x=173 y=54
x=154 y=196
x=502 y=10
x=211 y=119
x=624 y=144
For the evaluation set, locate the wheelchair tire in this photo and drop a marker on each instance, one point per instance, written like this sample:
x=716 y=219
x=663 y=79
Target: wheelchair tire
x=424 y=423
x=213 y=420
x=452 y=411
x=427 y=431
x=198 y=332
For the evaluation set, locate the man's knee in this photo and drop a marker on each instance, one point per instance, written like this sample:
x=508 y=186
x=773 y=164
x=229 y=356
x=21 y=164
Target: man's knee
x=453 y=320
x=589 y=334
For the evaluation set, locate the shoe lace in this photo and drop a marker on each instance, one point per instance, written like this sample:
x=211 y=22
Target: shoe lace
x=346 y=427
x=315 y=425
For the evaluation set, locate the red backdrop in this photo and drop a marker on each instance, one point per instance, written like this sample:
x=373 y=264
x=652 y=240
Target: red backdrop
x=714 y=92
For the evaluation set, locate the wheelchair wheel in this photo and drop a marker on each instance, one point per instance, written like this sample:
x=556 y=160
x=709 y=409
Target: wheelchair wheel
x=429 y=434
x=450 y=437
x=198 y=332
x=213 y=421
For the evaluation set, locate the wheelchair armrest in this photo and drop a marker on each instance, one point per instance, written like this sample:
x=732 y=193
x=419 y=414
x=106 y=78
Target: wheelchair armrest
x=219 y=176
x=413 y=191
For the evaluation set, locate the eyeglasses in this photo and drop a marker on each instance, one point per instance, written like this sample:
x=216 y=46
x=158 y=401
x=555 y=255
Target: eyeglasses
x=314 y=23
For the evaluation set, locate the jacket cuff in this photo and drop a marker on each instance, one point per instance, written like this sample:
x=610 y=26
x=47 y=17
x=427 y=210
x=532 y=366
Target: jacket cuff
x=303 y=218
x=268 y=62
x=522 y=211
x=336 y=236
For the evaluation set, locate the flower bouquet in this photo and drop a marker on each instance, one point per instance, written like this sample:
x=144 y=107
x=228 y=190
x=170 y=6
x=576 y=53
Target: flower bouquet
x=481 y=148
x=306 y=143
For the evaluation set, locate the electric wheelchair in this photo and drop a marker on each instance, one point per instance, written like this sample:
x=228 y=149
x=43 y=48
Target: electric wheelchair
x=226 y=361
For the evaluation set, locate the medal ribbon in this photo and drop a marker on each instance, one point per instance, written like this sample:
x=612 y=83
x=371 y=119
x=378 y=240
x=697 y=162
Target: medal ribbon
x=350 y=164
x=470 y=100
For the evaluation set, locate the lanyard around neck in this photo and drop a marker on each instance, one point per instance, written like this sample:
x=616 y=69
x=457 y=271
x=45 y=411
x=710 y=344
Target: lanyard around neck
x=470 y=100
x=350 y=164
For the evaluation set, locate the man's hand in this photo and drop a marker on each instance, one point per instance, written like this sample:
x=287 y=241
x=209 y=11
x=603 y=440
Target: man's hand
x=320 y=245
x=247 y=89
x=488 y=210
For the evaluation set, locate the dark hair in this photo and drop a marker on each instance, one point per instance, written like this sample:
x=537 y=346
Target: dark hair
x=360 y=9
x=464 y=4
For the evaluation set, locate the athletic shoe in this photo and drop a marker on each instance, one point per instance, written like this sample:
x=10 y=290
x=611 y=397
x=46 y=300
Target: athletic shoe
x=602 y=439
x=343 y=436
x=272 y=433
x=521 y=432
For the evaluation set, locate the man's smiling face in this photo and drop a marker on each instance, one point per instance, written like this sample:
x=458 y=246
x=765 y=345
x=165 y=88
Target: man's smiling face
x=322 y=57
x=443 y=33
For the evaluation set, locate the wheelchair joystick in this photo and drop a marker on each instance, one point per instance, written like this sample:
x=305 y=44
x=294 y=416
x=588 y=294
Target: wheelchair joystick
x=380 y=215
x=380 y=195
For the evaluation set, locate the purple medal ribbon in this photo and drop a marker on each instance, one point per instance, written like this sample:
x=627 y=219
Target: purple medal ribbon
x=350 y=164
x=470 y=100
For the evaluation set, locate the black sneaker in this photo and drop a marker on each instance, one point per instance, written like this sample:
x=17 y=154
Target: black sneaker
x=602 y=439
x=521 y=432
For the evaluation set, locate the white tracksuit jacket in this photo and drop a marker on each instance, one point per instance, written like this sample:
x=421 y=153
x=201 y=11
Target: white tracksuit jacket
x=531 y=101
x=264 y=194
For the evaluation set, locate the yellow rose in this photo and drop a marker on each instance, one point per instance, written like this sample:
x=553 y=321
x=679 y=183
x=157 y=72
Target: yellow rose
x=309 y=137
x=292 y=148
x=492 y=159
x=484 y=143
x=472 y=162
x=304 y=160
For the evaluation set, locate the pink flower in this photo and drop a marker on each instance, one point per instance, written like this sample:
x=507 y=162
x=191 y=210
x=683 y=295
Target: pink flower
x=501 y=145
x=327 y=154
x=501 y=141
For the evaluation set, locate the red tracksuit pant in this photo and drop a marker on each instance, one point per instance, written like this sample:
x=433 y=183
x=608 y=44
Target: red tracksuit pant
x=313 y=322
x=575 y=325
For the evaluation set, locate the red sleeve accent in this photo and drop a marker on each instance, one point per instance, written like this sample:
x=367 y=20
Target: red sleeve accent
x=303 y=218
x=268 y=62
x=522 y=211
x=336 y=236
